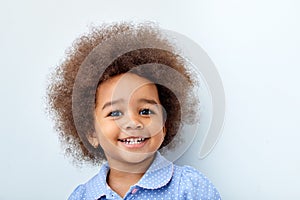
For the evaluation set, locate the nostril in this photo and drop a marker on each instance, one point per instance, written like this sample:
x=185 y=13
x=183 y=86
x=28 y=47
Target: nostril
x=139 y=126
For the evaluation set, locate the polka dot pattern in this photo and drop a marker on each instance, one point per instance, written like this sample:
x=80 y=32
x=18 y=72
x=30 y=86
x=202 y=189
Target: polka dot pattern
x=163 y=180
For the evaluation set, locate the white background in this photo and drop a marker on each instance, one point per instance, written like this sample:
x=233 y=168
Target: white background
x=255 y=46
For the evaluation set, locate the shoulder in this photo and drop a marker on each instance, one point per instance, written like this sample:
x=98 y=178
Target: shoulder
x=78 y=193
x=90 y=190
x=94 y=188
x=193 y=184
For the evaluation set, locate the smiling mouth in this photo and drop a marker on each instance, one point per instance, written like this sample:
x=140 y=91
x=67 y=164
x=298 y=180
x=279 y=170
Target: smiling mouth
x=132 y=141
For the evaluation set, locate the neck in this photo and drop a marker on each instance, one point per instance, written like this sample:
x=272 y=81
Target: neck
x=122 y=175
x=120 y=181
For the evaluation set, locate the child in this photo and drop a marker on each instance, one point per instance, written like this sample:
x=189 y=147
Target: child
x=122 y=94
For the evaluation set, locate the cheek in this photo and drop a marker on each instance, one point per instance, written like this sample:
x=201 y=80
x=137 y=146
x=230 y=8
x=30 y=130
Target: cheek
x=155 y=126
x=157 y=140
x=108 y=129
x=107 y=134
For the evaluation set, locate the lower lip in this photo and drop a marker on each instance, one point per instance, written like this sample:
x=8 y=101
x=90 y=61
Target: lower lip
x=134 y=146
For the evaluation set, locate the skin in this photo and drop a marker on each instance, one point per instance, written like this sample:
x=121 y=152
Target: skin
x=127 y=107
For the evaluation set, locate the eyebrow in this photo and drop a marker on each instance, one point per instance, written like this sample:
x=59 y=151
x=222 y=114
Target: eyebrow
x=150 y=101
x=112 y=103
x=143 y=100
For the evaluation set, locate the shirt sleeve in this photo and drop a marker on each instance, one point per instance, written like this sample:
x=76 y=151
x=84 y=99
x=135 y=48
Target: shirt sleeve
x=194 y=185
x=78 y=193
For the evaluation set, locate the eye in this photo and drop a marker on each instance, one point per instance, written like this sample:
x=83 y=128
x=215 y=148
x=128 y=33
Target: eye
x=115 y=113
x=146 y=112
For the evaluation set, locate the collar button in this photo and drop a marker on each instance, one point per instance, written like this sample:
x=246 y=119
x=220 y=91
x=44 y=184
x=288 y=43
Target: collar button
x=134 y=191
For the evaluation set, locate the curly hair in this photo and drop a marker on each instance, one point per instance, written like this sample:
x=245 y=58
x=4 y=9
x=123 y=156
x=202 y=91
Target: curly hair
x=107 y=51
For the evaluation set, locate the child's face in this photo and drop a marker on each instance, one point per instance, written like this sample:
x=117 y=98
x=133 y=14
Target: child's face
x=128 y=119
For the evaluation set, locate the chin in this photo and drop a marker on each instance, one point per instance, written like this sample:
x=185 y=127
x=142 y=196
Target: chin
x=136 y=157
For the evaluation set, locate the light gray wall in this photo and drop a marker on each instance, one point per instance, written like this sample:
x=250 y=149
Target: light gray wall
x=254 y=44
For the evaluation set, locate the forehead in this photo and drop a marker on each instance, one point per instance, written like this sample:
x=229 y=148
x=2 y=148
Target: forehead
x=126 y=86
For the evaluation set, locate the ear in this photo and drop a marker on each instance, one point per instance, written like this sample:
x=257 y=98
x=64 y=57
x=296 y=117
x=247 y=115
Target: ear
x=93 y=140
x=164 y=131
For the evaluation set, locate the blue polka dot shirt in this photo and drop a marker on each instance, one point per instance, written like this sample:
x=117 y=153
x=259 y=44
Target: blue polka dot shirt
x=163 y=180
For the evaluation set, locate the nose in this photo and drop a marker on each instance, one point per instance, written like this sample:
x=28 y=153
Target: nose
x=133 y=122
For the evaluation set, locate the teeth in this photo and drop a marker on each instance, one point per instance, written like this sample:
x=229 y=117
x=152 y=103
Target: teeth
x=133 y=140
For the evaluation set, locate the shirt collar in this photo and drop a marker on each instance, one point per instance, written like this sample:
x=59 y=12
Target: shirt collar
x=158 y=175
